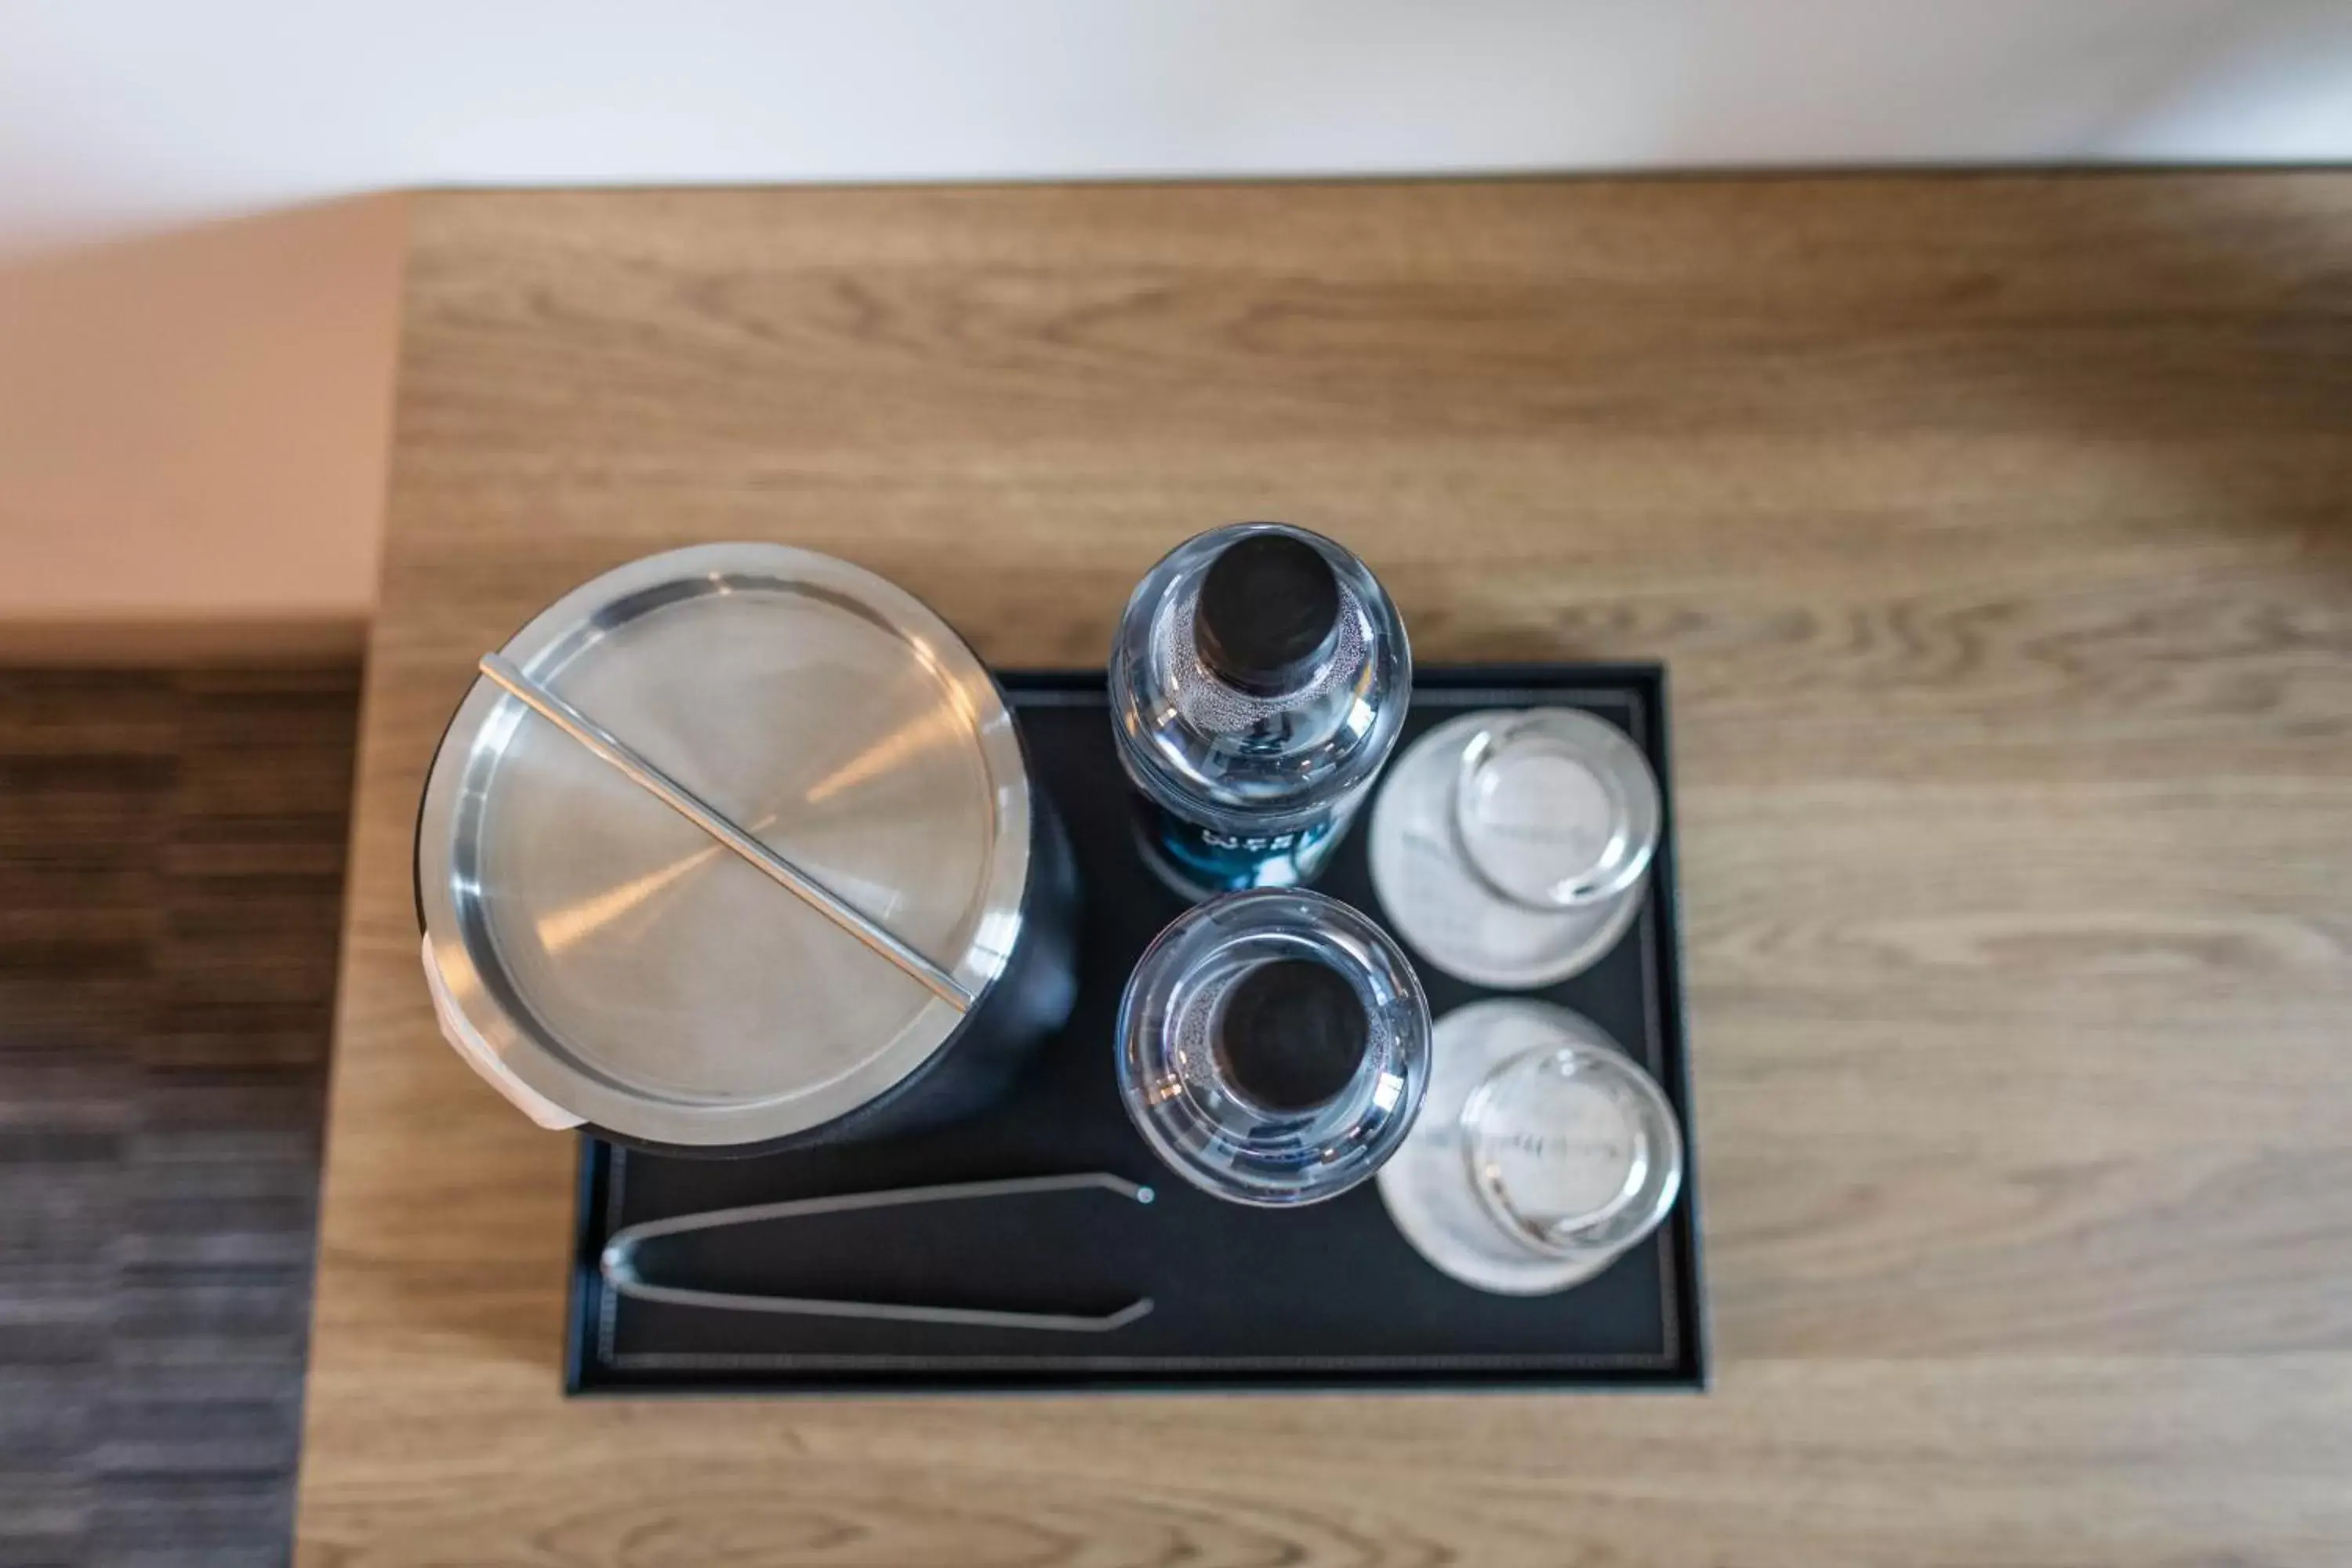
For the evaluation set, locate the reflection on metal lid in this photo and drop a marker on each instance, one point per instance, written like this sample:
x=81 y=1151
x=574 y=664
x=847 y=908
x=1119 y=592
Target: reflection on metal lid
x=628 y=967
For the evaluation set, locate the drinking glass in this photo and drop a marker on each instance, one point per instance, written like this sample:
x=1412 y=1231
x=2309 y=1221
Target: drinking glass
x=1542 y=1154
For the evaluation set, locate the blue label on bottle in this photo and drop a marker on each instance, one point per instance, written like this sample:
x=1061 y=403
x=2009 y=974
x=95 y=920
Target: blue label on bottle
x=1199 y=861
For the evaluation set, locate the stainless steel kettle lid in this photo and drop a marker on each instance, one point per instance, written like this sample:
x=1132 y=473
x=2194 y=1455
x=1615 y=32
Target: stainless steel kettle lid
x=599 y=956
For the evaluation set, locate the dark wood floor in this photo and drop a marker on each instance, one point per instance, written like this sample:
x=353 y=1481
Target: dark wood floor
x=171 y=876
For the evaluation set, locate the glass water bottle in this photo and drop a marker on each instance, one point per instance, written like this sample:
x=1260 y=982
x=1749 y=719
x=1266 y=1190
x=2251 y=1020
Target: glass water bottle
x=1257 y=683
x=1274 y=1047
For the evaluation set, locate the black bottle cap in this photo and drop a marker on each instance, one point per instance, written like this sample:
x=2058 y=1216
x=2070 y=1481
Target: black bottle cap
x=1291 y=1034
x=1269 y=613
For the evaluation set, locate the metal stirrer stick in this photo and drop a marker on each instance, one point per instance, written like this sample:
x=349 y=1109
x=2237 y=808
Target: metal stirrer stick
x=615 y=752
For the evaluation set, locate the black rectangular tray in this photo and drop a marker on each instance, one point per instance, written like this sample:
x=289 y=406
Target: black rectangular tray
x=1325 y=1297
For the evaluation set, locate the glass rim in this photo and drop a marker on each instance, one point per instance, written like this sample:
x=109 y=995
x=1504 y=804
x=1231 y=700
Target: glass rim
x=1616 y=765
x=1632 y=1218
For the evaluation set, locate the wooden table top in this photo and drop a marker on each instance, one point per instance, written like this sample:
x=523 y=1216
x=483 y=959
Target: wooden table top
x=1999 y=534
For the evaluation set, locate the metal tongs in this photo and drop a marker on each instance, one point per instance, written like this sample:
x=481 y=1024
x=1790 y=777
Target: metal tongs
x=619 y=1262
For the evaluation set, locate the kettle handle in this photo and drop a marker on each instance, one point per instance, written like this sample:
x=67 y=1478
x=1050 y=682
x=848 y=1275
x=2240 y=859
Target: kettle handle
x=468 y=1043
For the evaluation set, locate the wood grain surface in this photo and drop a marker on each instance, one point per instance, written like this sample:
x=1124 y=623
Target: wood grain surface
x=1999 y=534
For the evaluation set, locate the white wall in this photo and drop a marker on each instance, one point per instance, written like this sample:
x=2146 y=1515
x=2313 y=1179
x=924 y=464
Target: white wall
x=123 y=114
